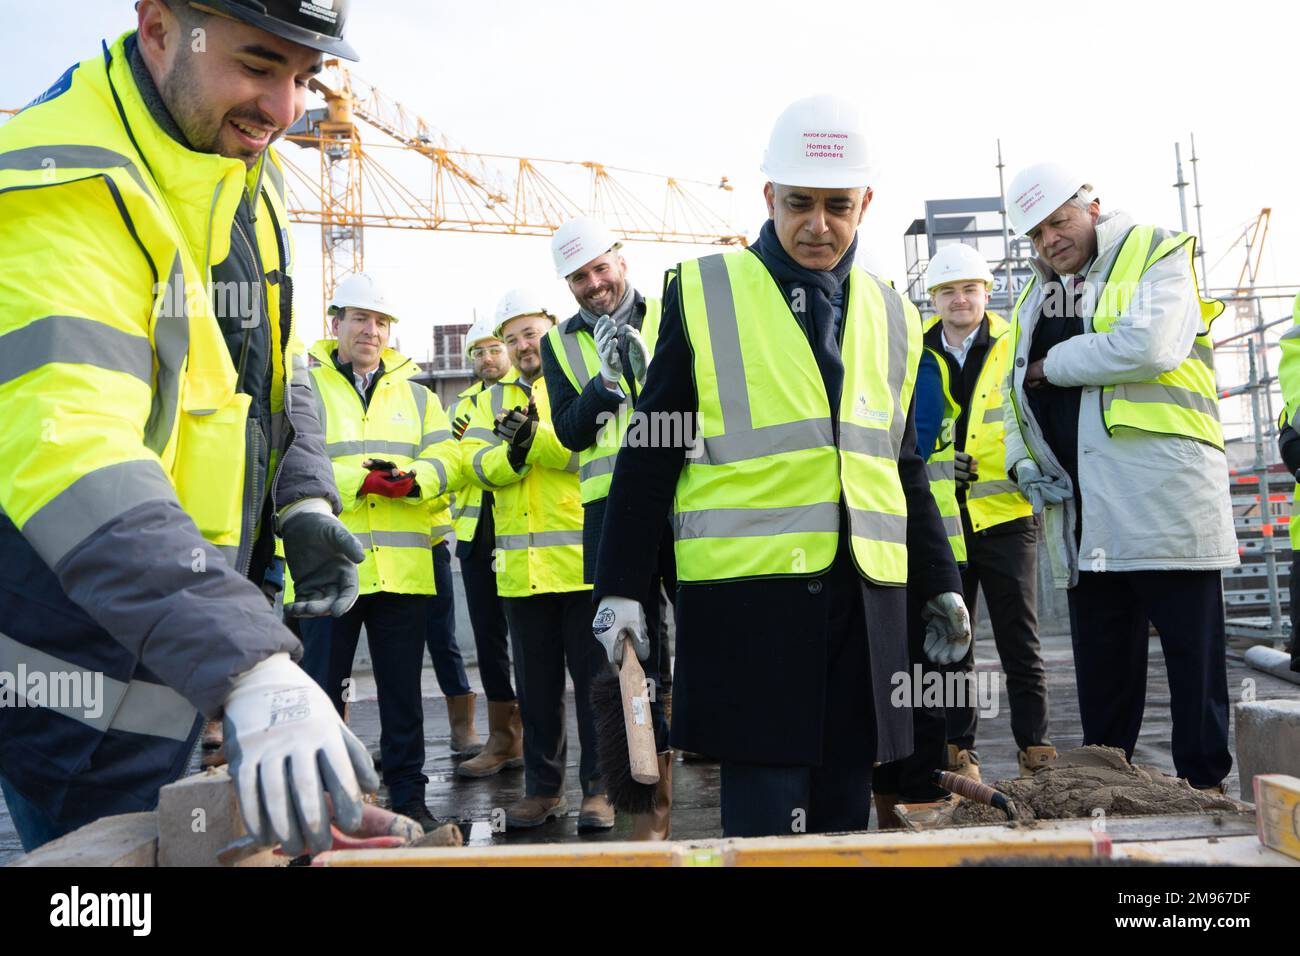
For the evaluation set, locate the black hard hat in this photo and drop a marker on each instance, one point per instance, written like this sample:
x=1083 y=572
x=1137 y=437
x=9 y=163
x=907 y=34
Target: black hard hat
x=315 y=24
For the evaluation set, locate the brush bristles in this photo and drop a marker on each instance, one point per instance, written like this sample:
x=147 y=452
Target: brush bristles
x=625 y=794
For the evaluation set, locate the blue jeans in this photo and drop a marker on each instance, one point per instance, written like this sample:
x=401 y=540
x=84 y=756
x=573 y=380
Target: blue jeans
x=35 y=828
x=441 y=634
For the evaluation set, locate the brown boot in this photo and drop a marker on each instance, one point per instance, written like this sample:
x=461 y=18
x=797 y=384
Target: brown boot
x=464 y=738
x=886 y=818
x=505 y=746
x=658 y=824
x=1034 y=759
x=534 y=811
x=596 y=813
x=963 y=762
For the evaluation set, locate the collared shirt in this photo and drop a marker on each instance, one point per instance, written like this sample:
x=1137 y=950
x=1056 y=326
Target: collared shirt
x=959 y=352
x=361 y=381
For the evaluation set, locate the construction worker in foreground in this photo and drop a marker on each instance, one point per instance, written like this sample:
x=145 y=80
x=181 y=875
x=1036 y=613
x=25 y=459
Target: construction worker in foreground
x=969 y=348
x=159 y=430
x=393 y=453
x=475 y=543
x=1112 y=429
x=595 y=366
x=510 y=449
x=1288 y=373
x=803 y=515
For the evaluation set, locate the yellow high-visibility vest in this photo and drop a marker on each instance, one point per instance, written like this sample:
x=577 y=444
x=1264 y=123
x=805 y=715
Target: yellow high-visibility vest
x=576 y=354
x=467 y=497
x=1288 y=374
x=405 y=424
x=762 y=496
x=941 y=465
x=537 y=511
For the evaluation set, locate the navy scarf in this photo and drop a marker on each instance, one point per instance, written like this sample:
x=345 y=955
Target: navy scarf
x=822 y=291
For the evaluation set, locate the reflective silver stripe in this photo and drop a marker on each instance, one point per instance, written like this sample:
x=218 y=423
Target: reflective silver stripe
x=371 y=446
x=171 y=344
x=876 y=442
x=470 y=511
x=724 y=338
x=393 y=539
x=942 y=470
x=92 y=501
x=478 y=468
x=986 y=489
x=597 y=467
x=578 y=362
x=32 y=158
x=1204 y=353
x=432 y=438
x=992 y=415
x=1155 y=393
x=878 y=526
x=1292 y=333
x=441 y=470
x=138 y=707
x=76 y=341
x=277 y=179
x=421 y=396
x=823 y=517
x=482 y=434
x=952 y=526
x=896 y=322
x=441 y=531
x=572 y=466
x=767 y=440
x=539 y=539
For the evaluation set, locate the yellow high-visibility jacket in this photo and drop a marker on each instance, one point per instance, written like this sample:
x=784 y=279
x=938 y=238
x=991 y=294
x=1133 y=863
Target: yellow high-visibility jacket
x=467 y=497
x=405 y=424
x=538 y=511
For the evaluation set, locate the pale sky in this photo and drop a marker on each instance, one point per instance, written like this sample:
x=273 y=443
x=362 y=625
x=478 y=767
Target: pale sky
x=691 y=89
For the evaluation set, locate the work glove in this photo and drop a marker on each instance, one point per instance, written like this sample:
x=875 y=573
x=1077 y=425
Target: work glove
x=606 y=336
x=458 y=427
x=394 y=484
x=616 y=618
x=1040 y=490
x=947 y=628
x=966 y=469
x=322 y=556
x=288 y=747
x=638 y=356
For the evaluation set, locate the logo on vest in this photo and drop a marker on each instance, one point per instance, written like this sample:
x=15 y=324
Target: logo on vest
x=862 y=409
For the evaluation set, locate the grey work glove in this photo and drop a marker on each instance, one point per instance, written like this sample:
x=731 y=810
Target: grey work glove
x=606 y=336
x=966 y=469
x=947 y=628
x=322 y=556
x=1040 y=490
x=288 y=748
x=616 y=618
x=638 y=356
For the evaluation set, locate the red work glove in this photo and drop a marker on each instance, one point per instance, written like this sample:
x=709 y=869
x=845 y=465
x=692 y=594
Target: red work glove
x=390 y=486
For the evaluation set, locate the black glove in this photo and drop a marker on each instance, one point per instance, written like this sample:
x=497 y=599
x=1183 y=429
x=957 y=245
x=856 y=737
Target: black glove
x=458 y=427
x=518 y=427
x=965 y=468
x=322 y=556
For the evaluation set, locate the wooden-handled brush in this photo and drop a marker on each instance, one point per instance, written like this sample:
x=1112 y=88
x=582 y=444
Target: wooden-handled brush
x=636 y=718
x=625 y=737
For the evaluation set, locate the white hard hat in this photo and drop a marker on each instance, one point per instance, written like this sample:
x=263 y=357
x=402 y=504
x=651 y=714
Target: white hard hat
x=361 y=291
x=1038 y=191
x=480 y=331
x=820 y=142
x=957 y=262
x=515 y=303
x=579 y=241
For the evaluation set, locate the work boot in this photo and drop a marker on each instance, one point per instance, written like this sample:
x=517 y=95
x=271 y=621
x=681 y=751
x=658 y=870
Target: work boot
x=417 y=811
x=658 y=824
x=212 y=753
x=533 y=811
x=505 y=746
x=886 y=818
x=596 y=813
x=1034 y=759
x=1218 y=789
x=966 y=763
x=464 y=738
